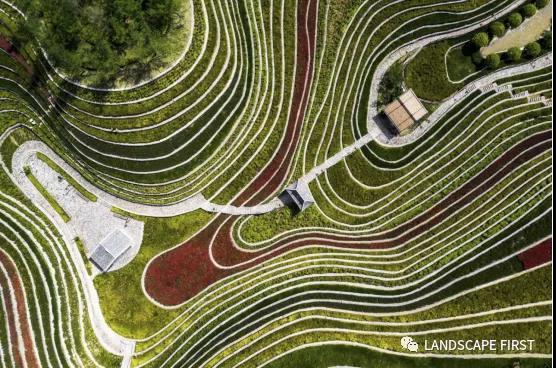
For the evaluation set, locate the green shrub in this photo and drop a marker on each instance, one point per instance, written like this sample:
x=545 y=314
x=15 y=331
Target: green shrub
x=546 y=41
x=391 y=84
x=541 y=3
x=497 y=29
x=529 y=10
x=493 y=61
x=480 y=39
x=514 y=54
x=477 y=58
x=515 y=20
x=533 y=49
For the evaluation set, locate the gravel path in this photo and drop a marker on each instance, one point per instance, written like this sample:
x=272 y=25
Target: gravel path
x=30 y=148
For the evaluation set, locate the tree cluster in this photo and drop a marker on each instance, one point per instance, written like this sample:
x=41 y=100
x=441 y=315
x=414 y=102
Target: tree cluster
x=83 y=36
x=498 y=29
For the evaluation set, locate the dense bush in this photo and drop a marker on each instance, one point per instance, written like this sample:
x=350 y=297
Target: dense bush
x=529 y=10
x=480 y=39
x=515 y=20
x=477 y=58
x=541 y=3
x=493 y=61
x=391 y=84
x=497 y=29
x=94 y=35
x=514 y=54
x=546 y=41
x=533 y=49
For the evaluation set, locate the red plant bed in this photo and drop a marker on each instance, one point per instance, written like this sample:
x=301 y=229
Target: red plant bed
x=29 y=355
x=179 y=274
x=7 y=46
x=538 y=255
x=192 y=269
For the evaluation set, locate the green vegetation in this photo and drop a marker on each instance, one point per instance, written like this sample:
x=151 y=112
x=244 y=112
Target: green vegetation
x=480 y=39
x=546 y=41
x=541 y=3
x=131 y=313
x=497 y=29
x=84 y=192
x=426 y=75
x=109 y=38
x=252 y=64
x=514 y=54
x=493 y=61
x=515 y=20
x=344 y=355
x=529 y=10
x=463 y=61
x=83 y=254
x=533 y=49
x=391 y=84
x=49 y=198
x=477 y=58
x=47 y=274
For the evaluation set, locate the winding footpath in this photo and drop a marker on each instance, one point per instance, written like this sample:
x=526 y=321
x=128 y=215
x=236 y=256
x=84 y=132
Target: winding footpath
x=110 y=340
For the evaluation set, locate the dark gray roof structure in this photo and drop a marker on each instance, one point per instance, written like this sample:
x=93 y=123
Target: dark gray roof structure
x=300 y=194
x=110 y=249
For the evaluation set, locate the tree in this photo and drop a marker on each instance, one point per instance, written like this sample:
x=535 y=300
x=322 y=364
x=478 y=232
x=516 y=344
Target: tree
x=514 y=54
x=533 y=49
x=497 y=29
x=546 y=41
x=104 y=38
x=493 y=61
x=515 y=20
x=529 y=10
x=391 y=85
x=480 y=39
x=477 y=58
x=541 y=3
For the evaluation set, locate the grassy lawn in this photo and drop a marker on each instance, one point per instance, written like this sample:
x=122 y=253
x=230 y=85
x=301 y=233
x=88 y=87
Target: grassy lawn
x=130 y=313
x=459 y=64
x=426 y=73
x=341 y=355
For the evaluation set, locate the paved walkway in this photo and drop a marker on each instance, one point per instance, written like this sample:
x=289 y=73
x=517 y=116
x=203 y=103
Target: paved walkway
x=90 y=221
x=331 y=161
x=110 y=340
x=195 y=202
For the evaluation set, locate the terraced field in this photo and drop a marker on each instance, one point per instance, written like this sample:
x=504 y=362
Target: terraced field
x=441 y=233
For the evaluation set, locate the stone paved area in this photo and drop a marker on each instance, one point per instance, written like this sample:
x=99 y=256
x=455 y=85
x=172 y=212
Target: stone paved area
x=90 y=221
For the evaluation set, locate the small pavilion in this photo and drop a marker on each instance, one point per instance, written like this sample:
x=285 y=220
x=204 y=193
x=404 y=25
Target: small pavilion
x=300 y=195
x=405 y=111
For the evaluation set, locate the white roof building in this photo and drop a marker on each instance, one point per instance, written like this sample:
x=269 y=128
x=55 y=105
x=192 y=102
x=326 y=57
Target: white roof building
x=110 y=249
